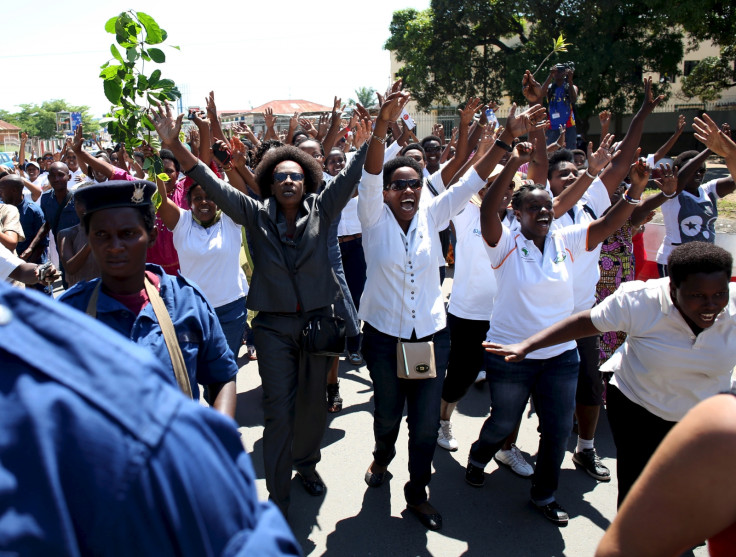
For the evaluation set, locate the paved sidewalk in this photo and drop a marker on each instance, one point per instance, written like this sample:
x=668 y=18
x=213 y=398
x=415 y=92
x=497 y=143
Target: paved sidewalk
x=353 y=519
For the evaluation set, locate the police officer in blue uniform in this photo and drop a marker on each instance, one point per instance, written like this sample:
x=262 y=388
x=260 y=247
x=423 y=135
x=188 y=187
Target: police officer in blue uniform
x=120 y=224
x=100 y=455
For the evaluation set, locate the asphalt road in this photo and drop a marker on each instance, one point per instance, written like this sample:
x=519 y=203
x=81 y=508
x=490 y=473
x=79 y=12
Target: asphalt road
x=353 y=519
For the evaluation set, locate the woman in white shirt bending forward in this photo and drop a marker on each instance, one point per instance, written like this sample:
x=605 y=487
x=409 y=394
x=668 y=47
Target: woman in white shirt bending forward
x=402 y=298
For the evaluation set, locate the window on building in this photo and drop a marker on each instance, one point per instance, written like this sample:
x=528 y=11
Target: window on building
x=688 y=67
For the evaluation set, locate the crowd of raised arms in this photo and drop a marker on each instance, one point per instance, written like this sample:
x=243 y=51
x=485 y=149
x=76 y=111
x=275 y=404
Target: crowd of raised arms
x=331 y=238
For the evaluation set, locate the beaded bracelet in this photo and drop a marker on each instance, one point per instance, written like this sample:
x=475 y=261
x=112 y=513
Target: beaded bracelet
x=631 y=200
x=381 y=140
x=589 y=175
x=674 y=193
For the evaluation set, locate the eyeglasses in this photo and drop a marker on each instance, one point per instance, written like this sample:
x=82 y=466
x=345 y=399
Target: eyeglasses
x=282 y=176
x=49 y=158
x=432 y=149
x=401 y=185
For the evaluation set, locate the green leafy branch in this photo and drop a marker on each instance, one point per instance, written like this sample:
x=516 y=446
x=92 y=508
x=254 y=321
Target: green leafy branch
x=129 y=88
x=558 y=45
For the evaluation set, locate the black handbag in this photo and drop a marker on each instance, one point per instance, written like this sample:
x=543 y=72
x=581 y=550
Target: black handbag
x=323 y=335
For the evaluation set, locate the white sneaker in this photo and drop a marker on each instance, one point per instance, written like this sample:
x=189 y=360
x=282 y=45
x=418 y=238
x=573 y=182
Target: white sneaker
x=481 y=376
x=514 y=460
x=445 y=438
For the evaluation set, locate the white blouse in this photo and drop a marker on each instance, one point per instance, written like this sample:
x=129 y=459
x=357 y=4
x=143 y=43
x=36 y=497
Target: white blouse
x=402 y=290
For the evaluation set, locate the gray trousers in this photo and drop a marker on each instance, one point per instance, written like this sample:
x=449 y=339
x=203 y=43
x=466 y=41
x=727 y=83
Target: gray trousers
x=294 y=400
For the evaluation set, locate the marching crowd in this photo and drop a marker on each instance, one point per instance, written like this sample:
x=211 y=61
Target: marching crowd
x=331 y=237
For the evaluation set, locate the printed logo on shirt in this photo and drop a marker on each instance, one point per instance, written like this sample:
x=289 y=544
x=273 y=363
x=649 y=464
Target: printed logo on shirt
x=476 y=231
x=525 y=252
x=560 y=257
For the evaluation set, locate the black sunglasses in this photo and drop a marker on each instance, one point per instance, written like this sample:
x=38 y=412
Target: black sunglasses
x=282 y=176
x=401 y=185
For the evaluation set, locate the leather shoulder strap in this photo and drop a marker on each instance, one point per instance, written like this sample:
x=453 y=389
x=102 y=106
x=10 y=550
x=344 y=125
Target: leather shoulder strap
x=167 y=329
x=172 y=343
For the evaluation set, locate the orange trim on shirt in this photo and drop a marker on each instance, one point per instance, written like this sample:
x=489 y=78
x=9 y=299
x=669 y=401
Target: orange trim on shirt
x=571 y=257
x=507 y=255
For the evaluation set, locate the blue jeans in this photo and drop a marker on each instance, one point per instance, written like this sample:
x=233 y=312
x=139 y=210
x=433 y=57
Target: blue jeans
x=422 y=397
x=552 y=383
x=232 y=318
x=571 y=137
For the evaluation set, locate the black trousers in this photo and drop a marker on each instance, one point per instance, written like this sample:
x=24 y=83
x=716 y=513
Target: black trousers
x=294 y=402
x=466 y=356
x=637 y=433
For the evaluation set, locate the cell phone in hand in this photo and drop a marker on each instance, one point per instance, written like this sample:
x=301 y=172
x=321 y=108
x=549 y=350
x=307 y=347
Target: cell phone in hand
x=491 y=117
x=222 y=154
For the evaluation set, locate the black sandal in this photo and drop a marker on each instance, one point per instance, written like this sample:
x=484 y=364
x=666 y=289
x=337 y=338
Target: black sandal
x=334 y=402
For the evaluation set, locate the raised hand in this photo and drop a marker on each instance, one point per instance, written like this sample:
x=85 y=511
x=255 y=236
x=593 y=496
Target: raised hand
x=561 y=142
x=194 y=139
x=598 y=160
x=604 y=116
x=210 y=104
x=680 y=123
x=438 y=130
x=269 y=118
x=639 y=174
x=167 y=127
x=668 y=182
x=78 y=141
x=523 y=152
x=392 y=106
x=467 y=113
x=531 y=89
x=336 y=104
x=322 y=124
x=707 y=132
x=650 y=102
x=533 y=118
x=308 y=126
x=23 y=137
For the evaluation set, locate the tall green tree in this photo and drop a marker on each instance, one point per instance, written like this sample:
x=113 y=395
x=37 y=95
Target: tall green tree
x=459 y=48
x=40 y=121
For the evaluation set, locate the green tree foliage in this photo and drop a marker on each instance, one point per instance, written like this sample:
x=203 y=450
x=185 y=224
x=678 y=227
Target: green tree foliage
x=459 y=48
x=710 y=20
x=131 y=91
x=40 y=121
x=366 y=97
x=126 y=85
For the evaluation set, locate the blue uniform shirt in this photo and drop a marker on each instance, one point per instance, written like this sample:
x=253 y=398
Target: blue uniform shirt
x=49 y=206
x=31 y=219
x=99 y=455
x=203 y=344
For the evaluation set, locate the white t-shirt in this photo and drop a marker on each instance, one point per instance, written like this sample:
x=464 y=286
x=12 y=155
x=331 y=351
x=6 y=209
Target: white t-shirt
x=535 y=289
x=688 y=218
x=474 y=286
x=587 y=271
x=349 y=222
x=8 y=262
x=76 y=179
x=402 y=289
x=210 y=257
x=663 y=366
